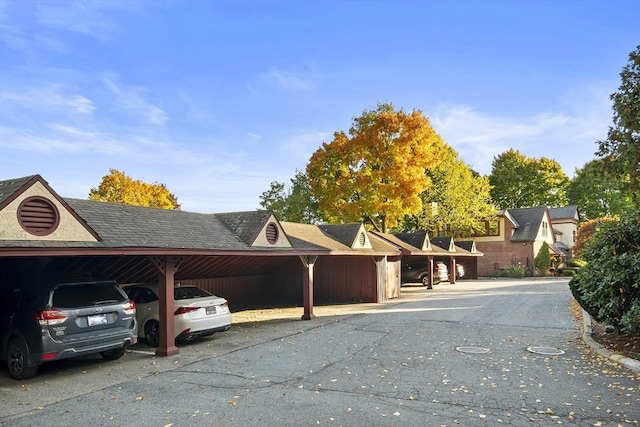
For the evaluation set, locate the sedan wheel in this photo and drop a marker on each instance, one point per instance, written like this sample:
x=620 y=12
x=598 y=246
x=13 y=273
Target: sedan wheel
x=152 y=333
x=18 y=361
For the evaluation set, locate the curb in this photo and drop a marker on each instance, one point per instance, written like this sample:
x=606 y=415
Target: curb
x=630 y=363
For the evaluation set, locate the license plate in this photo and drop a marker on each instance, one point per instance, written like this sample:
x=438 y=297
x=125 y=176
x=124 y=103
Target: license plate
x=97 y=319
x=211 y=310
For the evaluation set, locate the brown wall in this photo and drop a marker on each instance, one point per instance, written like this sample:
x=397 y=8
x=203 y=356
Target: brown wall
x=337 y=279
x=345 y=279
x=502 y=255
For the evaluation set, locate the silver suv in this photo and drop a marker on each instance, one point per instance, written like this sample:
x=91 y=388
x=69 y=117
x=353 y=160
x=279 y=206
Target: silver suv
x=39 y=324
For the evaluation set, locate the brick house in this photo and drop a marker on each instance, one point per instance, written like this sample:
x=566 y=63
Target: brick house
x=514 y=237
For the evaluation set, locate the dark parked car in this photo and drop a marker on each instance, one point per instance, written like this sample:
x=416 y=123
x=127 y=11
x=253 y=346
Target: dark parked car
x=418 y=272
x=40 y=323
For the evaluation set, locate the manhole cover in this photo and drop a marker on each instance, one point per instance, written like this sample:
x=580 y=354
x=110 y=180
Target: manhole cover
x=547 y=351
x=476 y=350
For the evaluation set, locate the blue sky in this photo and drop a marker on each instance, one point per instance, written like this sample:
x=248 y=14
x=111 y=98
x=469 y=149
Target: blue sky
x=217 y=99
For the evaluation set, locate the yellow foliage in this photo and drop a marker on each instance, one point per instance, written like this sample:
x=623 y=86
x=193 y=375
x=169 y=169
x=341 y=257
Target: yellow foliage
x=119 y=188
x=378 y=172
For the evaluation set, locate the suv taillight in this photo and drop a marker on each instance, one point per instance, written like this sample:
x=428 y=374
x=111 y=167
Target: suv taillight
x=129 y=307
x=50 y=317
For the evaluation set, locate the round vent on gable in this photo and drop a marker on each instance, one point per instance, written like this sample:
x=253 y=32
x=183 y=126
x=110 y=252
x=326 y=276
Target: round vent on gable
x=362 y=239
x=272 y=233
x=38 y=216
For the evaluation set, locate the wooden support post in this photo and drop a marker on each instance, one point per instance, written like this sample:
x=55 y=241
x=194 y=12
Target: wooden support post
x=430 y=262
x=307 y=286
x=452 y=272
x=167 y=267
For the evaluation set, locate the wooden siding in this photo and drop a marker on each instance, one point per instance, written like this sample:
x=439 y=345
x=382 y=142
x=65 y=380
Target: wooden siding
x=344 y=279
x=239 y=291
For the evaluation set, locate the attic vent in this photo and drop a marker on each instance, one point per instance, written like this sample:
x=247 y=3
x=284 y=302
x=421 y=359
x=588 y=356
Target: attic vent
x=38 y=216
x=362 y=239
x=272 y=233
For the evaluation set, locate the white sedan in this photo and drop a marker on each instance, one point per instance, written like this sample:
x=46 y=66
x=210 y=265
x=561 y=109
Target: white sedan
x=197 y=313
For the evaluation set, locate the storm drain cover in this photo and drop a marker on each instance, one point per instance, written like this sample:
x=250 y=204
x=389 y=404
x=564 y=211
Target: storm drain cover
x=475 y=350
x=547 y=351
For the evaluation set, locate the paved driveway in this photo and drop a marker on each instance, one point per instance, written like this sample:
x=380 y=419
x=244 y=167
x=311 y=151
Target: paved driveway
x=456 y=355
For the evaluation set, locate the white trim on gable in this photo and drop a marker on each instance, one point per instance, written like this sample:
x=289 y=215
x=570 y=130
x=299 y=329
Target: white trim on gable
x=361 y=240
x=262 y=240
x=69 y=229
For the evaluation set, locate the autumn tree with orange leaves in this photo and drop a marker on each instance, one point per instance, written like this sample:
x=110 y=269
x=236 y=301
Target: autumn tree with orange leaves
x=120 y=188
x=376 y=173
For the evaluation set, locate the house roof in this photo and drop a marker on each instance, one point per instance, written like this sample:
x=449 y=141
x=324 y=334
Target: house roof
x=156 y=228
x=338 y=239
x=10 y=187
x=343 y=233
x=406 y=248
x=528 y=221
x=566 y=212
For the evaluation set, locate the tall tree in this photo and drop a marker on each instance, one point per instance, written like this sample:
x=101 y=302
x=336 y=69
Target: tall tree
x=519 y=181
x=621 y=150
x=116 y=187
x=457 y=202
x=295 y=204
x=376 y=173
x=597 y=193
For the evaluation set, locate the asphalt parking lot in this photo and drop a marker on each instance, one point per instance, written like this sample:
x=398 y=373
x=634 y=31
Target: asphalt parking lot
x=455 y=355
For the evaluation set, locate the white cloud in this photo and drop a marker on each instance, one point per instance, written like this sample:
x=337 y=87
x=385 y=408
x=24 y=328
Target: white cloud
x=51 y=97
x=301 y=144
x=86 y=18
x=569 y=137
x=131 y=99
x=293 y=81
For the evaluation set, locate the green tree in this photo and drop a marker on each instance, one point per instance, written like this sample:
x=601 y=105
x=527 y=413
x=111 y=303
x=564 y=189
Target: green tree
x=519 y=181
x=597 y=193
x=376 y=173
x=275 y=199
x=542 y=261
x=457 y=202
x=608 y=286
x=116 y=187
x=295 y=204
x=621 y=150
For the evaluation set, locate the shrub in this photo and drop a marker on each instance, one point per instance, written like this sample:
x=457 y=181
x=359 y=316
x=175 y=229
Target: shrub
x=568 y=272
x=517 y=271
x=542 y=261
x=608 y=286
x=576 y=262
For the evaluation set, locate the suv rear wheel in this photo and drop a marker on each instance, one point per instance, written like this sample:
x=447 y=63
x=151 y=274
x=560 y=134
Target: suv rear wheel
x=18 y=360
x=114 y=354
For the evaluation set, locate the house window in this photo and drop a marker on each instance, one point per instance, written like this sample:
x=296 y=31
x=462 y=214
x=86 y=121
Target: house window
x=38 y=216
x=573 y=238
x=362 y=239
x=545 y=228
x=491 y=227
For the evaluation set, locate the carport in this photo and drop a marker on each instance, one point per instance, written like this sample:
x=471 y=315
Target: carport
x=416 y=245
x=248 y=254
x=40 y=230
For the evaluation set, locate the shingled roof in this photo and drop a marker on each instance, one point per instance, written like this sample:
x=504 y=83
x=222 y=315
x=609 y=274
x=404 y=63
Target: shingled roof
x=529 y=220
x=565 y=212
x=155 y=228
x=9 y=187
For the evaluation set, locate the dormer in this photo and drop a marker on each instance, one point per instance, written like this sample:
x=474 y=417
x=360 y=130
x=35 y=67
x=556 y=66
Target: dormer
x=31 y=211
x=354 y=235
x=256 y=228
